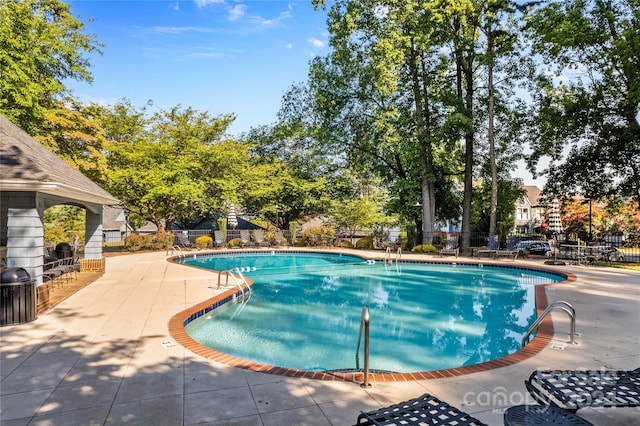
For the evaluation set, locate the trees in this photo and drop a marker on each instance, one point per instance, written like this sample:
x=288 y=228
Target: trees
x=381 y=98
x=41 y=45
x=587 y=98
x=174 y=165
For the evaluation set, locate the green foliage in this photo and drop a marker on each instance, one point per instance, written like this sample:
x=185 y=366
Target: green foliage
x=592 y=114
x=63 y=222
x=317 y=236
x=508 y=194
x=293 y=229
x=135 y=242
x=204 y=242
x=54 y=233
x=424 y=248
x=173 y=166
x=236 y=243
x=344 y=244
x=222 y=225
x=41 y=45
x=365 y=243
x=270 y=238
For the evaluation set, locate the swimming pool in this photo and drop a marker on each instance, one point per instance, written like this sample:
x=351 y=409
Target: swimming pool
x=306 y=308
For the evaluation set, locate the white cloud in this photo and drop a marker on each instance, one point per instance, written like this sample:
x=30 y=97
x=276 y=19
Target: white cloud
x=205 y=3
x=237 y=12
x=288 y=46
x=180 y=30
x=316 y=42
x=175 y=6
x=264 y=22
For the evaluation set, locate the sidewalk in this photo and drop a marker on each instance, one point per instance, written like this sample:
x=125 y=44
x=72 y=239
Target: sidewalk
x=104 y=356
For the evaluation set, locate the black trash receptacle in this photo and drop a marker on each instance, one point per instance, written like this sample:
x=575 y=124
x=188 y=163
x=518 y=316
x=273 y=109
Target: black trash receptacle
x=17 y=297
x=63 y=250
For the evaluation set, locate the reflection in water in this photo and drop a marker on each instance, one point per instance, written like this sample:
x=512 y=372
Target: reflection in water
x=423 y=317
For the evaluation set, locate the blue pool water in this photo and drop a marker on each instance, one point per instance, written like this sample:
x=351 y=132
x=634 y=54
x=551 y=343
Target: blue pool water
x=306 y=309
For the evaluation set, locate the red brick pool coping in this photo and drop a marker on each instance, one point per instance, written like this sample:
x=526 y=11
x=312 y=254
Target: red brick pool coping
x=542 y=338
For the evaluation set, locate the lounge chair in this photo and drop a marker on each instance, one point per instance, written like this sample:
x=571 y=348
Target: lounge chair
x=183 y=241
x=451 y=246
x=246 y=238
x=258 y=237
x=279 y=238
x=575 y=389
x=426 y=409
x=429 y=410
x=492 y=246
x=218 y=239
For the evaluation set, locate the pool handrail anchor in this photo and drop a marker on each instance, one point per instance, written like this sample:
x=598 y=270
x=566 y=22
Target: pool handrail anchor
x=364 y=324
x=560 y=305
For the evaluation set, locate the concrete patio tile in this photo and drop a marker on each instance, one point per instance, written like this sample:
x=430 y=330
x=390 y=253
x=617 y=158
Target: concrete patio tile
x=25 y=381
x=102 y=354
x=217 y=407
x=152 y=383
x=157 y=412
x=305 y=416
x=93 y=416
x=346 y=411
x=282 y=395
x=17 y=422
x=22 y=405
x=76 y=397
x=611 y=416
x=86 y=374
x=326 y=391
x=202 y=377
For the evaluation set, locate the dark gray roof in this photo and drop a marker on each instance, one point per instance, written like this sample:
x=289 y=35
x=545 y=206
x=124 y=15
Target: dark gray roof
x=27 y=165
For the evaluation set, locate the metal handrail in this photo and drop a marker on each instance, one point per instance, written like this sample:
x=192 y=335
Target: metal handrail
x=230 y=273
x=179 y=250
x=364 y=324
x=558 y=304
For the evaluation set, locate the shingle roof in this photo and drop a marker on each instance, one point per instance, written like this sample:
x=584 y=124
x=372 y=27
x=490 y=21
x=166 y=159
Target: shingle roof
x=27 y=165
x=533 y=194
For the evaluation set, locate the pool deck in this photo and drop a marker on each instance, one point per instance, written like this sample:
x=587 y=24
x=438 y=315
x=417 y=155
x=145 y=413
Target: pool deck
x=105 y=356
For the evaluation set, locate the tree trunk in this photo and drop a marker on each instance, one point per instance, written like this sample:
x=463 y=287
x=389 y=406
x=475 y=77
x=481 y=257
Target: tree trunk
x=492 y=149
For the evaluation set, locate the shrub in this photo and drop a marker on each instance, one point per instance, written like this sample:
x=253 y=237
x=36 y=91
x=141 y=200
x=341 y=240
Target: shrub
x=270 y=237
x=236 y=242
x=135 y=242
x=318 y=235
x=344 y=244
x=365 y=243
x=424 y=248
x=161 y=241
x=204 y=242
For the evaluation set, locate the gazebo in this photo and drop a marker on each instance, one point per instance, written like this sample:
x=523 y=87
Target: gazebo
x=32 y=179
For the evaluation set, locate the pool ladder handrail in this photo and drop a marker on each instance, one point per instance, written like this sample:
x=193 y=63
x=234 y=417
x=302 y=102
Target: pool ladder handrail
x=178 y=250
x=387 y=255
x=364 y=325
x=558 y=304
x=238 y=282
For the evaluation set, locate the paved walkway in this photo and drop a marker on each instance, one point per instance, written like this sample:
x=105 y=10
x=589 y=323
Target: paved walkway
x=105 y=357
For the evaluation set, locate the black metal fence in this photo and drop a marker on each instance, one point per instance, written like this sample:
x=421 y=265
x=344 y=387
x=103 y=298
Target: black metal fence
x=611 y=249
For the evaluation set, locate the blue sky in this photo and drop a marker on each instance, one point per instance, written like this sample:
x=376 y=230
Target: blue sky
x=219 y=56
